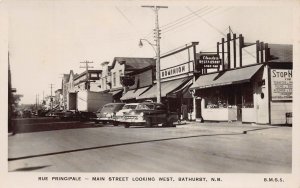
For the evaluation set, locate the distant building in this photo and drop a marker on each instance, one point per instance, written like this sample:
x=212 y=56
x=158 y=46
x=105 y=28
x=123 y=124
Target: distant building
x=123 y=67
x=58 y=99
x=105 y=78
x=88 y=81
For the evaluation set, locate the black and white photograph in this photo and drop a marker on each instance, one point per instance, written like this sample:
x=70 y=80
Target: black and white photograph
x=105 y=93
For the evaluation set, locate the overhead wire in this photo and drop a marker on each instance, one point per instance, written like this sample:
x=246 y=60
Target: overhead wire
x=184 y=18
x=184 y=23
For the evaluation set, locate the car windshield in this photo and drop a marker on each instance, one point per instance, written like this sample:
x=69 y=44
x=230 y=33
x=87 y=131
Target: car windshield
x=129 y=106
x=111 y=107
x=145 y=107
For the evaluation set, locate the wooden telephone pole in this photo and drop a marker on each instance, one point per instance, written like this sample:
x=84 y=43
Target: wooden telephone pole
x=87 y=72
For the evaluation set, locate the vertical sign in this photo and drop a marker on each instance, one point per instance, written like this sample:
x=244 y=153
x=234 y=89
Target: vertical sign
x=281 y=84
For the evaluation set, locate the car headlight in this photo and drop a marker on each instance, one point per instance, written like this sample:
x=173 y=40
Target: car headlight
x=141 y=114
x=108 y=115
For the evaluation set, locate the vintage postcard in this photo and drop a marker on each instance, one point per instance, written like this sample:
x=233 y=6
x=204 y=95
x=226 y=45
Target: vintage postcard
x=104 y=93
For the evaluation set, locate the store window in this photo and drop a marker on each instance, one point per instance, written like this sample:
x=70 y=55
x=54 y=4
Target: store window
x=94 y=76
x=216 y=98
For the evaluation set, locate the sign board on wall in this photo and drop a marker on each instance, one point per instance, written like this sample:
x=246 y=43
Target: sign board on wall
x=176 y=70
x=281 y=84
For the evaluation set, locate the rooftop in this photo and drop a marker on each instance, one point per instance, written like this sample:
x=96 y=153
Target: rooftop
x=133 y=63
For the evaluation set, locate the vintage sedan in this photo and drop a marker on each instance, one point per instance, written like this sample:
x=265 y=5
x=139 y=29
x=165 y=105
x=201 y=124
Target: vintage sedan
x=126 y=108
x=69 y=115
x=149 y=114
x=107 y=113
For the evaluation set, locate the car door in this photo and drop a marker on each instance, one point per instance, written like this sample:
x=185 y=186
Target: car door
x=160 y=115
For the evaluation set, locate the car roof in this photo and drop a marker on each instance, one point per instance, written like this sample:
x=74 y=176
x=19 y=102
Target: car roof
x=132 y=103
x=113 y=103
x=155 y=103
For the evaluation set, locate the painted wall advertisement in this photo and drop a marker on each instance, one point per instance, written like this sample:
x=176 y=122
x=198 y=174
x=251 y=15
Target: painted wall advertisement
x=282 y=84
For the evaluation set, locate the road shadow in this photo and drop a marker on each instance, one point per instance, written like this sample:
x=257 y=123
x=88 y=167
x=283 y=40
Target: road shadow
x=52 y=126
x=30 y=168
x=116 y=145
x=246 y=131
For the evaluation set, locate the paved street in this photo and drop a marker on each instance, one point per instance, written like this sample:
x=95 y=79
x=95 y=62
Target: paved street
x=191 y=147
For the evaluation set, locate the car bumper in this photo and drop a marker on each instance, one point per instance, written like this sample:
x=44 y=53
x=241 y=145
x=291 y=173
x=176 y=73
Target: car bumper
x=104 y=119
x=132 y=121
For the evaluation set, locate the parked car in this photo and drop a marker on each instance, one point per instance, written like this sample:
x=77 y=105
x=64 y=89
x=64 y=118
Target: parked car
x=42 y=113
x=54 y=113
x=69 y=114
x=149 y=114
x=107 y=114
x=26 y=114
x=126 y=108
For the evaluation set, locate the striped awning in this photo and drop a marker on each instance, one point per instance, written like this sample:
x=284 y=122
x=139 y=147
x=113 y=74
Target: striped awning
x=166 y=88
x=229 y=77
x=133 y=94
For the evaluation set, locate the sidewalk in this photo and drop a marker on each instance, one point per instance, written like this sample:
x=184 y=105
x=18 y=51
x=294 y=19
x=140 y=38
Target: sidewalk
x=238 y=127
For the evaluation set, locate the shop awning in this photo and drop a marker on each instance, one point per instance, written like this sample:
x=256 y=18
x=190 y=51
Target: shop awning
x=115 y=92
x=166 y=87
x=183 y=90
x=132 y=94
x=229 y=77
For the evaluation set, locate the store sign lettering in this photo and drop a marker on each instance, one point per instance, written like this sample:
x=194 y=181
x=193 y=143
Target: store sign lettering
x=209 y=61
x=282 y=84
x=174 y=71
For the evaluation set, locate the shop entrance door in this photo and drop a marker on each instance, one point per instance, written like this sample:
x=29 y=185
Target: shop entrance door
x=239 y=106
x=198 y=111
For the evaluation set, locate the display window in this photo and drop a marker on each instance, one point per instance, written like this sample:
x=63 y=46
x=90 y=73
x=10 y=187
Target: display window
x=216 y=98
x=229 y=96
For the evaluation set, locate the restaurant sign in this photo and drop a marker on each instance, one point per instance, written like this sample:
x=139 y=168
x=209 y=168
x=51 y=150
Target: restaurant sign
x=281 y=84
x=209 y=61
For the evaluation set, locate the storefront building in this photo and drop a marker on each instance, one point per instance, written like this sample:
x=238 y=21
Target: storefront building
x=88 y=80
x=136 y=83
x=124 y=68
x=256 y=87
x=175 y=81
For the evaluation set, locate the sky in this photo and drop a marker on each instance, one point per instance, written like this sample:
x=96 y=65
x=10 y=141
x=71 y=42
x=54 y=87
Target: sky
x=49 y=38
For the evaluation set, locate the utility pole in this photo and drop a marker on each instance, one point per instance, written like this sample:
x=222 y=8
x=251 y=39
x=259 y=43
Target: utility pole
x=51 y=99
x=157 y=41
x=38 y=100
x=87 y=73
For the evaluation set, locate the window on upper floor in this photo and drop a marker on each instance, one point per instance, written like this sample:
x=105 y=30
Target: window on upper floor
x=120 y=74
x=114 y=79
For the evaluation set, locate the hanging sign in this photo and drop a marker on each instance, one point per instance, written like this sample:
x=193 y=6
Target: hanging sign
x=209 y=61
x=281 y=84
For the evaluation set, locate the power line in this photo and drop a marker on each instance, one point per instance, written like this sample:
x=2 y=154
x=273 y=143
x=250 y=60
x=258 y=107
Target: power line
x=171 y=29
x=208 y=23
x=190 y=17
x=182 y=18
x=124 y=16
x=177 y=21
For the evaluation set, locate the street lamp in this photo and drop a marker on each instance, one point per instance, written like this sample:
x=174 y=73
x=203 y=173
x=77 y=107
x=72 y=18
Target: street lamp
x=151 y=44
x=157 y=50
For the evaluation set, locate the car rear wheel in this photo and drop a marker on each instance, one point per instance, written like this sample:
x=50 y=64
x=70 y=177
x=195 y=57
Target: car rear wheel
x=149 y=123
x=127 y=125
x=115 y=123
